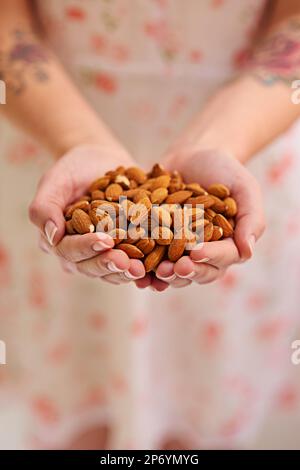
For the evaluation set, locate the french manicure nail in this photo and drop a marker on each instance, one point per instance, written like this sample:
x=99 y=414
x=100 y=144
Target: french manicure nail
x=113 y=268
x=168 y=278
x=203 y=260
x=50 y=231
x=100 y=246
x=130 y=276
x=187 y=276
x=103 y=237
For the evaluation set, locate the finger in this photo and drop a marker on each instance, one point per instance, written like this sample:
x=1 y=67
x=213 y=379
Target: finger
x=67 y=266
x=179 y=283
x=43 y=244
x=110 y=262
x=250 y=220
x=76 y=248
x=221 y=253
x=144 y=282
x=135 y=271
x=46 y=210
x=203 y=273
x=115 y=278
x=165 y=272
x=158 y=285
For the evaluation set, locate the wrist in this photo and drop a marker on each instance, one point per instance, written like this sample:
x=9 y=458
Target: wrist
x=91 y=139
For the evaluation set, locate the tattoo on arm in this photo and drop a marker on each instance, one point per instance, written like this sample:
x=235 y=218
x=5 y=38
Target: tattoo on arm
x=23 y=61
x=277 y=57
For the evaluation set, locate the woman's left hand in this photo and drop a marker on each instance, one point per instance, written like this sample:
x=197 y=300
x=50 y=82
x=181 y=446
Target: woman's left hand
x=209 y=261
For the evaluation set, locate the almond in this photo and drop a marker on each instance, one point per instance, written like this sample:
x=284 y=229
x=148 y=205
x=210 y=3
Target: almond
x=159 y=195
x=194 y=213
x=218 y=206
x=154 y=258
x=175 y=186
x=176 y=248
x=162 y=235
x=161 y=216
x=139 y=212
x=126 y=205
x=136 y=174
x=199 y=225
x=147 y=185
x=133 y=184
x=135 y=233
x=209 y=214
x=81 y=222
x=131 y=250
x=113 y=192
x=130 y=193
x=217 y=233
x=176 y=176
x=146 y=245
x=160 y=182
x=179 y=197
x=222 y=222
x=140 y=194
x=123 y=181
x=219 y=190
x=232 y=222
x=196 y=189
x=205 y=200
x=118 y=235
x=97 y=194
x=231 y=207
x=208 y=232
x=158 y=170
x=100 y=183
x=112 y=208
x=83 y=205
x=102 y=220
x=69 y=227
x=85 y=198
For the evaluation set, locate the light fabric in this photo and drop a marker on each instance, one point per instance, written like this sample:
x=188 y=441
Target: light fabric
x=205 y=362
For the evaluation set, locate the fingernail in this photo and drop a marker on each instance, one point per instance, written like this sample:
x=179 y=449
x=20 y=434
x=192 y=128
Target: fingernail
x=186 y=276
x=251 y=243
x=100 y=246
x=50 y=231
x=105 y=238
x=168 y=278
x=203 y=260
x=113 y=268
x=130 y=276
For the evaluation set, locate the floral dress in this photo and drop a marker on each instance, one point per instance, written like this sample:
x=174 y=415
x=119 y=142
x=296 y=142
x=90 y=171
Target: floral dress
x=206 y=363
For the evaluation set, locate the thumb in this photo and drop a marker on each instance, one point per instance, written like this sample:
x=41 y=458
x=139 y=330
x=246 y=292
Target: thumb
x=250 y=224
x=46 y=209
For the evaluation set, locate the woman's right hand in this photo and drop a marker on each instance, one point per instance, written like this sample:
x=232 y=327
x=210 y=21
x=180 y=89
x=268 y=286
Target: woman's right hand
x=67 y=180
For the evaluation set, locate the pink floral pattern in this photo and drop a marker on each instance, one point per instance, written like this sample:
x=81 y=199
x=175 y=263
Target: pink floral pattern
x=207 y=363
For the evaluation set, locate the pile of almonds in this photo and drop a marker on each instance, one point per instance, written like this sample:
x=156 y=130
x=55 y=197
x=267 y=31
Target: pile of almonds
x=153 y=216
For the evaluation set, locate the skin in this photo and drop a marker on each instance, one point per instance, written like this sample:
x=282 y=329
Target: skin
x=43 y=101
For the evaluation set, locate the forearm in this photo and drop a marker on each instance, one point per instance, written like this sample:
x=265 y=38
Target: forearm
x=41 y=98
x=248 y=113
x=242 y=118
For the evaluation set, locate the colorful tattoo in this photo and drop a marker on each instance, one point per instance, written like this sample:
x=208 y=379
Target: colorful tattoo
x=25 y=59
x=277 y=58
